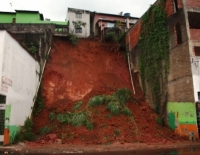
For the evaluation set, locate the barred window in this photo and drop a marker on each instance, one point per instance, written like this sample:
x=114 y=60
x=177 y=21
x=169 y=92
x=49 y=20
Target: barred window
x=78 y=30
x=78 y=15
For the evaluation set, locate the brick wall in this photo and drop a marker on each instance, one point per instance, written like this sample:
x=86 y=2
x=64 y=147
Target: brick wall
x=193 y=3
x=180 y=86
x=134 y=35
x=195 y=34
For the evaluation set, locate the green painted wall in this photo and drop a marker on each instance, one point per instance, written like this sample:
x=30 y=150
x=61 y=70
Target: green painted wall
x=25 y=17
x=13 y=131
x=184 y=111
x=7 y=17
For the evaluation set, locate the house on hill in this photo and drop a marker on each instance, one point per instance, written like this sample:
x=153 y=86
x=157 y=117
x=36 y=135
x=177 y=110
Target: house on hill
x=96 y=22
x=183 y=82
x=25 y=21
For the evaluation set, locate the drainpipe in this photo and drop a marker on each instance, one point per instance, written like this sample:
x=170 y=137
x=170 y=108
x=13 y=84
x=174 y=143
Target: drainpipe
x=40 y=80
x=129 y=66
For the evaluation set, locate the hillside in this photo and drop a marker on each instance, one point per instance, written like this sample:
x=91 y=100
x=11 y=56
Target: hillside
x=77 y=73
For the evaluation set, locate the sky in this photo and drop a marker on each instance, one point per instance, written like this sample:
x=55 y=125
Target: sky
x=56 y=10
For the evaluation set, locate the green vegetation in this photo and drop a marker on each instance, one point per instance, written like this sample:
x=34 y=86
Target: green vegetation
x=154 y=54
x=114 y=107
x=159 y=120
x=33 y=48
x=39 y=104
x=117 y=132
x=115 y=103
x=26 y=133
x=52 y=116
x=77 y=105
x=111 y=37
x=45 y=130
x=97 y=100
x=80 y=118
x=122 y=95
x=73 y=39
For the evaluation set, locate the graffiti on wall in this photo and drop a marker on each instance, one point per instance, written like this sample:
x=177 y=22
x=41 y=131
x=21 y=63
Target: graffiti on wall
x=5 y=82
x=182 y=118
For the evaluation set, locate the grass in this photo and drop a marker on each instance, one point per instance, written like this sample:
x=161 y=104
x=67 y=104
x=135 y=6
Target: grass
x=45 y=130
x=97 y=100
x=126 y=111
x=122 y=95
x=79 y=119
x=52 y=116
x=114 y=107
x=77 y=105
x=117 y=132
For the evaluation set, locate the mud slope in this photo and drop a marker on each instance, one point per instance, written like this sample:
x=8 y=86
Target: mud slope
x=78 y=73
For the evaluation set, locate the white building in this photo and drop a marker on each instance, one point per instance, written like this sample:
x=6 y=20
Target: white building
x=79 y=15
x=19 y=73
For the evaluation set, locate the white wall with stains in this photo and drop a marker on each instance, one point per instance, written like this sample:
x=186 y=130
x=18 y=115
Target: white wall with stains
x=19 y=78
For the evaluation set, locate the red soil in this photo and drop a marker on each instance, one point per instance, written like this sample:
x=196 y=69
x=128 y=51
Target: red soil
x=78 y=73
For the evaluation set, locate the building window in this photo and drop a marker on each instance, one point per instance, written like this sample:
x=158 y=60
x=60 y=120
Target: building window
x=2 y=99
x=178 y=33
x=78 y=30
x=197 y=51
x=78 y=15
x=175 y=5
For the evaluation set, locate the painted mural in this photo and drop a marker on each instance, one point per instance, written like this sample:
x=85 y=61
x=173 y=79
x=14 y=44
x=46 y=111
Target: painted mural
x=182 y=118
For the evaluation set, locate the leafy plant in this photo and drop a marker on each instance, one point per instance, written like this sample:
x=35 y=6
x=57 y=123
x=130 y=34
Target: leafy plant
x=52 y=116
x=89 y=125
x=73 y=39
x=117 y=132
x=45 y=130
x=126 y=111
x=154 y=54
x=64 y=118
x=111 y=37
x=122 y=95
x=79 y=119
x=77 y=105
x=159 y=120
x=78 y=24
x=25 y=133
x=97 y=100
x=28 y=124
x=114 y=107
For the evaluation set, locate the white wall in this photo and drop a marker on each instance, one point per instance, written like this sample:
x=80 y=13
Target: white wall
x=19 y=78
x=195 y=64
x=85 y=18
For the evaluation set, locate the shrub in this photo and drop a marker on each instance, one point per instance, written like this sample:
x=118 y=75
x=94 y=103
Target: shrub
x=77 y=105
x=64 y=118
x=126 y=111
x=73 y=39
x=111 y=37
x=97 y=100
x=114 y=107
x=159 y=120
x=122 y=95
x=45 y=130
x=89 y=125
x=79 y=119
x=117 y=132
x=52 y=116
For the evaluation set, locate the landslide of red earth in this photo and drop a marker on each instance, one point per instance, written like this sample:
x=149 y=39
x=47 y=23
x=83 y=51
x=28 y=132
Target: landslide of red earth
x=77 y=73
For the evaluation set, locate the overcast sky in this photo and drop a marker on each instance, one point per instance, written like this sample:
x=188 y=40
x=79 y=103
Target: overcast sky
x=57 y=9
